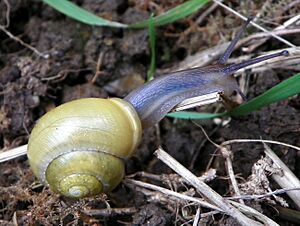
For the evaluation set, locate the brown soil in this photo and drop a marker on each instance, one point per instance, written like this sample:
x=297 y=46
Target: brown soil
x=87 y=61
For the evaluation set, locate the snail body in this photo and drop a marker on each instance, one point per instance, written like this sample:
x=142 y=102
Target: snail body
x=162 y=94
x=157 y=98
x=79 y=148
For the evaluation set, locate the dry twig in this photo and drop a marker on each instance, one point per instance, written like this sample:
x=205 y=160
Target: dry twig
x=13 y=153
x=275 y=31
x=227 y=155
x=276 y=192
x=110 y=212
x=172 y=193
x=287 y=178
x=254 y=24
x=204 y=189
x=13 y=37
x=259 y=141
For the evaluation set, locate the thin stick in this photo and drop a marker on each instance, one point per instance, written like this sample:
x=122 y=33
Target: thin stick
x=287 y=178
x=7 y=13
x=279 y=28
x=172 y=193
x=3 y=28
x=9 y=34
x=289 y=22
x=206 y=13
x=264 y=35
x=260 y=141
x=204 y=189
x=110 y=212
x=276 y=192
x=198 y=101
x=252 y=212
x=254 y=24
x=207 y=176
x=197 y=217
x=227 y=154
x=13 y=153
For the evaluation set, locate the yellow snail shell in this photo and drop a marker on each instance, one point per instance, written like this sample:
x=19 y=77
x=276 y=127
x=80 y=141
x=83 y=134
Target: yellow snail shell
x=79 y=148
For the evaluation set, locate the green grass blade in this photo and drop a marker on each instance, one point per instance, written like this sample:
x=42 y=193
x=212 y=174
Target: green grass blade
x=70 y=9
x=194 y=115
x=152 y=37
x=173 y=14
x=283 y=90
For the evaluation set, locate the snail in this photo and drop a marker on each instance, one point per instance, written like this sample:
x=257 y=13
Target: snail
x=79 y=148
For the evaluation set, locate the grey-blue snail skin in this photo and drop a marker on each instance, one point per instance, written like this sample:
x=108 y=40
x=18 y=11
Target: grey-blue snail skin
x=158 y=97
x=79 y=148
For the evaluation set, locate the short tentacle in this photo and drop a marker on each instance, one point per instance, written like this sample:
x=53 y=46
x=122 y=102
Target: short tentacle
x=223 y=59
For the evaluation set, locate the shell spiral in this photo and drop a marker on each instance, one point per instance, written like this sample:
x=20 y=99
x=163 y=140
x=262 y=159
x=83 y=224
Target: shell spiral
x=79 y=148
